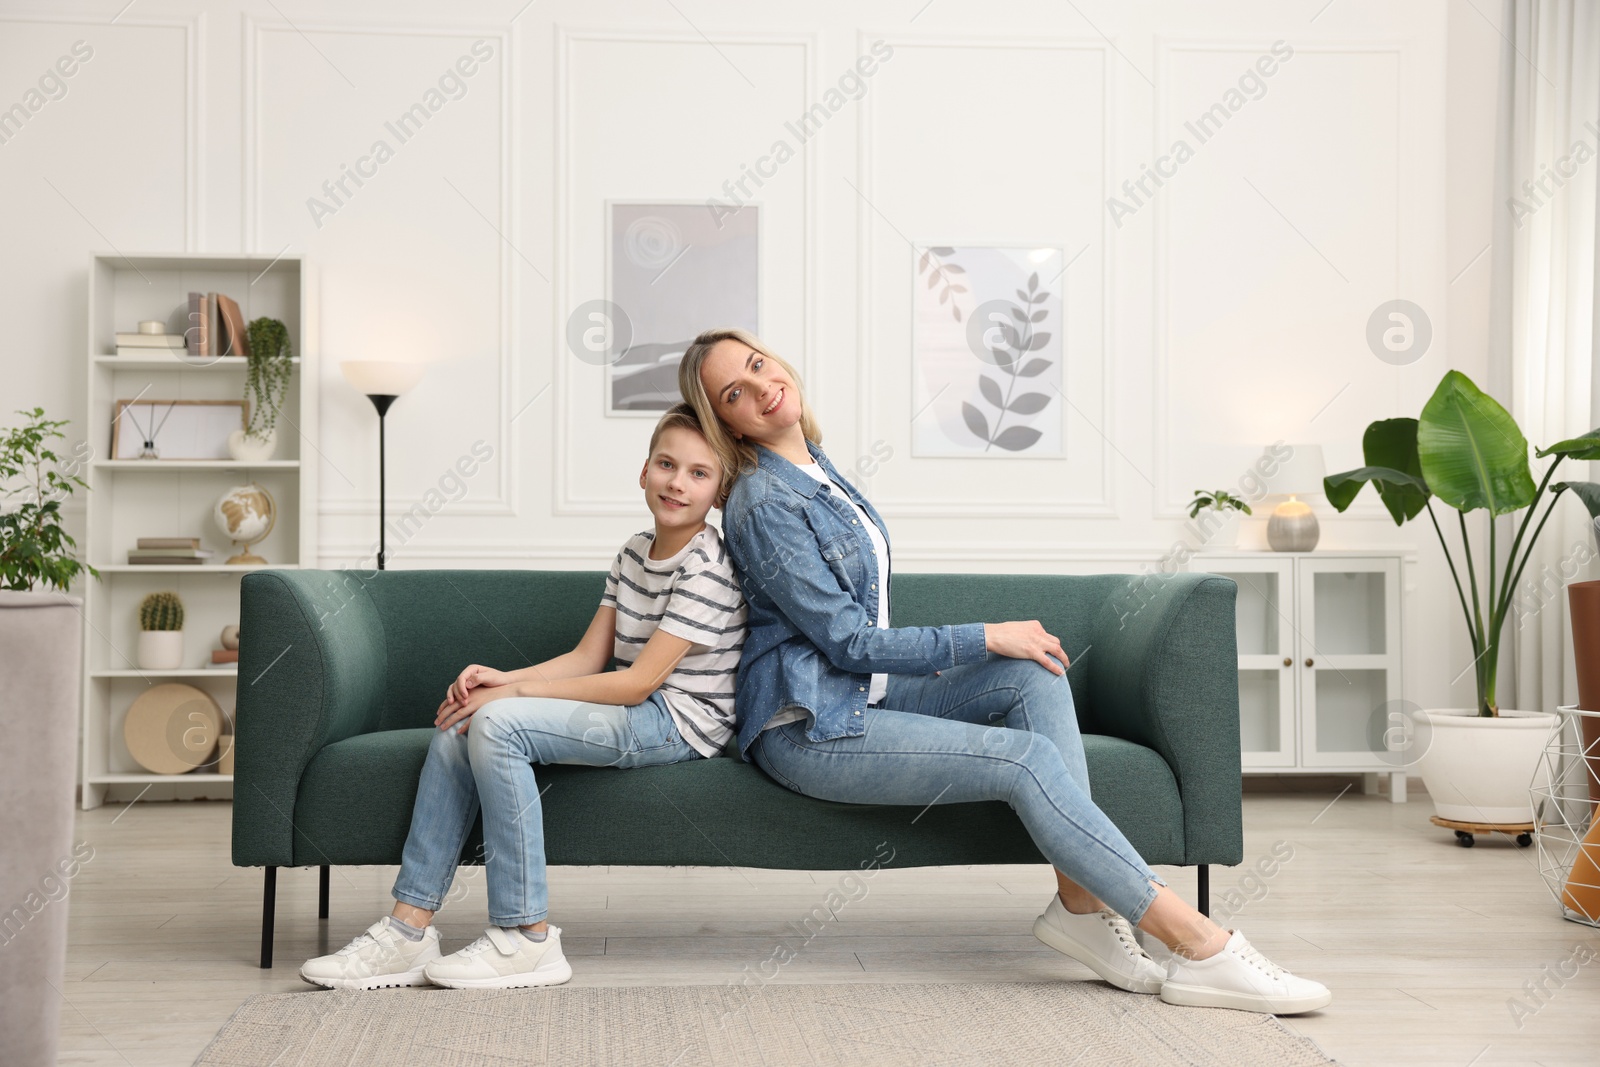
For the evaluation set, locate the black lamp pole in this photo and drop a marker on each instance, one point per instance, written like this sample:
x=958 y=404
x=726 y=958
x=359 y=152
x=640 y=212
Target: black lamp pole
x=381 y=401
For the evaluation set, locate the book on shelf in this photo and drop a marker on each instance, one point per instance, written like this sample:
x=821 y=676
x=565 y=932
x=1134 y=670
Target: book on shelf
x=224 y=655
x=146 y=561
x=216 y=326
x=181 y=553
x=168 y=542
x=149 y=340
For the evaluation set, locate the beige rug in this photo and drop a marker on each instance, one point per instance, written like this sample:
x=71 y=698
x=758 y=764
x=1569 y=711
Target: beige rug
x=1032 y=1024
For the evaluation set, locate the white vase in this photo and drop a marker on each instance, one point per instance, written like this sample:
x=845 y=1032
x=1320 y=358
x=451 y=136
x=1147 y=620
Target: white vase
x=1480 y=769
x=248 y=449
x=160 y=650
x=1217 y=528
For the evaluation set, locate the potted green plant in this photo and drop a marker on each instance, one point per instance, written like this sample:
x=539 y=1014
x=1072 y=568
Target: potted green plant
x=1467 y=452
x=161 y=632
x=267 y=373
x=1220 y=527
x=41 y=645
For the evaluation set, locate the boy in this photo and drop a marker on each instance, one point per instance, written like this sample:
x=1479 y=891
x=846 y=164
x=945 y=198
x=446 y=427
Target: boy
x=674 y=619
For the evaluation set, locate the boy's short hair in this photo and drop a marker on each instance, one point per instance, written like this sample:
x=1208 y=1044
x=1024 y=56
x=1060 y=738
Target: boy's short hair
x=682 y=415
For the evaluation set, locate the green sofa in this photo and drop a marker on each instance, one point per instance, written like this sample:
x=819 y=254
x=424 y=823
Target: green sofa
x=341 y=673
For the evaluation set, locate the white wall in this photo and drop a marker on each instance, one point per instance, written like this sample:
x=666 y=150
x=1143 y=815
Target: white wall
x=1228 y=310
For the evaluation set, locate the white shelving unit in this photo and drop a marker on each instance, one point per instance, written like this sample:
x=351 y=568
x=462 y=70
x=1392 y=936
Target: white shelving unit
x=1319 y=661
x=129 y=499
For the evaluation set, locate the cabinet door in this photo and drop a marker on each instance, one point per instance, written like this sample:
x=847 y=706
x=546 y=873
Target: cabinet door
x=1348 y=660
x=1265 y=636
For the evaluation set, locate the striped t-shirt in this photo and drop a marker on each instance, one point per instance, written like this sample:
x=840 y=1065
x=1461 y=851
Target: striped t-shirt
x=694 y=595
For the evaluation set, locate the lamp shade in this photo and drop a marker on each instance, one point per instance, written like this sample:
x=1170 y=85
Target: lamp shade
x=381 y=377
x=1300 y=473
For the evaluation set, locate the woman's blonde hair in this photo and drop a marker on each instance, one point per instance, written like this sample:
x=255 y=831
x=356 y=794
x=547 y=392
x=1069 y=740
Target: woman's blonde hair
x=737 y=456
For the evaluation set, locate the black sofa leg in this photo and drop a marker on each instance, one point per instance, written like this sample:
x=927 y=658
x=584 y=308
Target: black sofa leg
x=322 y=894
x=1203 y=892
x=269 y=903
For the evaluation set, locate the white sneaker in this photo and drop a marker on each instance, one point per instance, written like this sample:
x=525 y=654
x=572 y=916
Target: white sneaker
x=1104 y=942
x=380 y=958
x=503 y=959
x=1240 y=977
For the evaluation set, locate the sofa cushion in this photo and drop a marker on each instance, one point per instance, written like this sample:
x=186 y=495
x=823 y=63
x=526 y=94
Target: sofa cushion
x=714 y=812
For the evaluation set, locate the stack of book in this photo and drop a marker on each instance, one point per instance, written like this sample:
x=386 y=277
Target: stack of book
x=168 y=550
x=216 y=326
x=150 y=344
x=224 y=659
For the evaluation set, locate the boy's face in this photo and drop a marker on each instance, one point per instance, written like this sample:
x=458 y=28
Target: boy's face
x=681 y=478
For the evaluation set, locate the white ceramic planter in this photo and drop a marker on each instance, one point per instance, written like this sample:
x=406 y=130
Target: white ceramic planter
x=1217 y=529
x=160 y=650
x=248 y=449
x=1480 y=769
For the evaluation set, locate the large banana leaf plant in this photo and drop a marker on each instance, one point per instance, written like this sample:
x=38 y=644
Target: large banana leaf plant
x=1467 y=451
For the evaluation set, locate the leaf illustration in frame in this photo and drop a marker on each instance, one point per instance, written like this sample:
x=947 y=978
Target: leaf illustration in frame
x=1017 y=438
x=991 y=391
x=1029 y=403
x=975 y=420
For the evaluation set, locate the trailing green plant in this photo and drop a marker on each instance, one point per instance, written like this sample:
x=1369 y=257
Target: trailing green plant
x=161 y=611
x=34 y=549
x=1219 y=499
x=268 y=370
x=1468 y=451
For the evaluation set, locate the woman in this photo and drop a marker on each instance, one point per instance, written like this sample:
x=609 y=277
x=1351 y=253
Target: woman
x=836 y=705
x=673 y=617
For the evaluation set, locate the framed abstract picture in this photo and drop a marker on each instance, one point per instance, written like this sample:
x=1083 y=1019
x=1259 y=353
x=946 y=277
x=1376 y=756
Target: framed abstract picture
x=673 y=270
x=988 y=349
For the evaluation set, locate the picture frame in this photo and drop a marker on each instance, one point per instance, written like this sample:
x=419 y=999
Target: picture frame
x=674 y=268
x=988 y=343
x=180 y=429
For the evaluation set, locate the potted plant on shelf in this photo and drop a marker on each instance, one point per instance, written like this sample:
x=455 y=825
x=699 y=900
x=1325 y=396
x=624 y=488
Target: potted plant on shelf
x=1468 y=452
x=1220 y=527
x=161 y=632
x=267 y=374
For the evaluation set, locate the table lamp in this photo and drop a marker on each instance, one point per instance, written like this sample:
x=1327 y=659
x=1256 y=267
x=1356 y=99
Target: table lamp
x=383 y=381
x=1293 y=526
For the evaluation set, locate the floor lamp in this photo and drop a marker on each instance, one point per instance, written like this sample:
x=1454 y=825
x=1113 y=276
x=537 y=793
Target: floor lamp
x=383 y=381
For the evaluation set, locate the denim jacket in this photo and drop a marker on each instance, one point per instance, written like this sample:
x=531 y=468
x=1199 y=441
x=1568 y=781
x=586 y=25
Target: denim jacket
x=810 y=580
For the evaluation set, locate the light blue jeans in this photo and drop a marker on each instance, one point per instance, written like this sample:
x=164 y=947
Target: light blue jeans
x=995 y=729
x=492 y=765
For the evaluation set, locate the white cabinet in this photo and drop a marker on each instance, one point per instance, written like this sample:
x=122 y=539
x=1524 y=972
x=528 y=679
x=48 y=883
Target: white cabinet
x=1319 y=661
x=132 y=498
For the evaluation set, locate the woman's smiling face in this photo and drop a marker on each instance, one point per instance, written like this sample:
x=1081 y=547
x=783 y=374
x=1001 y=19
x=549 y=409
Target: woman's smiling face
x=751 y=394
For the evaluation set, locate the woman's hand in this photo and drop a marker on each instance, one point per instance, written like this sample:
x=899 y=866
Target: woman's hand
x=1026 y=640
x=477 y=674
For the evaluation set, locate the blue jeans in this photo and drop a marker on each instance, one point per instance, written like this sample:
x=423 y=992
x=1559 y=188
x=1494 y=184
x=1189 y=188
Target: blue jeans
x=995 y=729
x=492 y=764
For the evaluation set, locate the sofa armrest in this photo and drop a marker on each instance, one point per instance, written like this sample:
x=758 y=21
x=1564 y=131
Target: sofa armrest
x=1165 y=674
x=312 y=671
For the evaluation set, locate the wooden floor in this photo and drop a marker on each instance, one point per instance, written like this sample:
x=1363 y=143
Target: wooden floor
x=1423 y=943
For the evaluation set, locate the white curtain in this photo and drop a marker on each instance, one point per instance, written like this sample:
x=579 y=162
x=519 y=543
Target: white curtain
x=1542 y=319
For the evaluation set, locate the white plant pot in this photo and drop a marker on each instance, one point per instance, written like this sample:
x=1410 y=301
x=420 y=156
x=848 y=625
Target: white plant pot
x=1217 y=529
x=247 y=449
x=1481 y=769
x=160 y=650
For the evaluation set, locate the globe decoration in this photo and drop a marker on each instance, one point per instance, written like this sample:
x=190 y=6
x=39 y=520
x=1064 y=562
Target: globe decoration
x=246 y=514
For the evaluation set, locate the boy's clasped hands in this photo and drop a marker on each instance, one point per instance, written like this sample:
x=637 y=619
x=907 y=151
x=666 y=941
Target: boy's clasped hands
x=476 y=686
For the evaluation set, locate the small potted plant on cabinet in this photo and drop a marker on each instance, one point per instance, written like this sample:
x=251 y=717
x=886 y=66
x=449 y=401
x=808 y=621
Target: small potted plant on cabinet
x=1467 y=452
x=1220 y=526
x=161 y=632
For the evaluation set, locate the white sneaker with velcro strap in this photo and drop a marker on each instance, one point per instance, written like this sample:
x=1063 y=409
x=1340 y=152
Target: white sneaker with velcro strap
x=503 y=959
x=379 y=958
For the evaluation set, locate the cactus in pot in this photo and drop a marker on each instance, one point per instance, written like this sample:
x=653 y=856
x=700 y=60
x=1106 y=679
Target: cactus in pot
x=161 y=632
